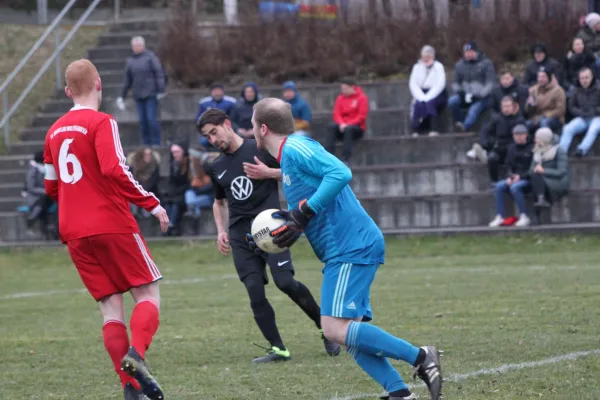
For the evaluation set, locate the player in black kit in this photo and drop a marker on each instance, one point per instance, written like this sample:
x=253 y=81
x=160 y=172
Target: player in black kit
x=247 y=178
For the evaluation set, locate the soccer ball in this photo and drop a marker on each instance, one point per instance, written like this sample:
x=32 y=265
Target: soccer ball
x=261 y=230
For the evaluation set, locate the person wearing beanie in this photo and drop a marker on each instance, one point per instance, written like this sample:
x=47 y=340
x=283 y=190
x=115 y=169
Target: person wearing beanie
x=590 y=33
x=584 y=106
x=473 y=82
x=541 y=60
x=36 y=199
x=300 y=109
x=518 y=162
x=547 y=103
x=549 y=170
x=217 y=99
x=427 y=85
x=350 y=113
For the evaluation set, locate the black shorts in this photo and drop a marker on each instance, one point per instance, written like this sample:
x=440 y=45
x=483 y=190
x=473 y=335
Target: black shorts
x=247 y=262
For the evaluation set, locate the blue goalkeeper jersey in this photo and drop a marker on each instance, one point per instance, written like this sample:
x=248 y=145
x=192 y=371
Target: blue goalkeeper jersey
x=341 y=230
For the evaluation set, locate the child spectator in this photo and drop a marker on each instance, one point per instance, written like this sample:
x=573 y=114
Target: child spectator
x=428 y=88
x=518 y=162
x=300 y=108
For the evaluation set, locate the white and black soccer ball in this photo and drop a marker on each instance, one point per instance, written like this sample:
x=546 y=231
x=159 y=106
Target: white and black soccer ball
x=261 y=230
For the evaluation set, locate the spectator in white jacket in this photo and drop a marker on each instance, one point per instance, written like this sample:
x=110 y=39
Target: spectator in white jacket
x=428 y=88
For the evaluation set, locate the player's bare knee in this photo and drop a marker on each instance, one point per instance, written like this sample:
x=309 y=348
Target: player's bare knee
x=149 y=292
x=112 y=308
x=335 y=329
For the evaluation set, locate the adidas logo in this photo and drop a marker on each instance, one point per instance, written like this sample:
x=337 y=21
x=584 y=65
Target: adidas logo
x=351 y=306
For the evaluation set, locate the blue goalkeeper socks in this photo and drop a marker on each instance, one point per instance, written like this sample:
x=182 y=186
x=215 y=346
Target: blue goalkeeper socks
x=378 y=368
x=370 y=339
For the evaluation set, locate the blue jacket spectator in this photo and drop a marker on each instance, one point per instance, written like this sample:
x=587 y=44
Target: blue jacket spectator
x=474 y=80
x=217 y=99
x=241 y=115
x=300 y=108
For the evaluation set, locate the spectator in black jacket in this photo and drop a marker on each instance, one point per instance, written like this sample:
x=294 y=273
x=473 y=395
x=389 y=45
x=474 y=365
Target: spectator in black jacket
x=144 y=164
x=509 y=86
x=496 y=137
x=241 y=115
x=541 y=60
x=585 y=108
x=578 y=58
x=179 y=183
x=518 y=162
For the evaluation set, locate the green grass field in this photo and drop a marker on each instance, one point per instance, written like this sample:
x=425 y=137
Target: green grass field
x=487 y=301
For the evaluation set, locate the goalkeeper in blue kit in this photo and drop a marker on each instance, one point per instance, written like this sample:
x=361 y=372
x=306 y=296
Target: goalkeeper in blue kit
x=349 y=243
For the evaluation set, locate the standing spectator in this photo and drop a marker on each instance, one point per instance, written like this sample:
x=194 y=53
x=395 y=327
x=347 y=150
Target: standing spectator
x=179 y=183
x=497 y=136
x=547 y=103
x=428 y=88
x=146 y=78
x=518 y=162
x=199 y=195
x=350 y=118
x=300 y=108
x=590 y=33
x=549 y=170
x=241 y=115
x=509 y=86
x=145 y=168
x=585 y=108
x=474 y=80
x=37 y=200
x=578 y=58
x=541 y=61
x=217 y=99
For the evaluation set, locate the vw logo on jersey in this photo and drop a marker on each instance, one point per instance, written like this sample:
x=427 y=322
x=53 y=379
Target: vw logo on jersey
x=241 y=188
x=286 y=179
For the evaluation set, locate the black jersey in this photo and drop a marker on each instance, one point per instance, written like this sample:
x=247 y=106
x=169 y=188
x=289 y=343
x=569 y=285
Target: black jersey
x=246 y=197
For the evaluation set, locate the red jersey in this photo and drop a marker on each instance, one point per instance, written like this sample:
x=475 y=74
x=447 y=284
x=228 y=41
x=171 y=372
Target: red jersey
x=86 y=173
x=352 y=110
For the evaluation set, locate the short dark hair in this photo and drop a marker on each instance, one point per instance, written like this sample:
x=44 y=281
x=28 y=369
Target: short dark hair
x=276 y=114
x=585 y=69
x=506 y=71
x=212 y=116
x=348 y=81
x=508 y=97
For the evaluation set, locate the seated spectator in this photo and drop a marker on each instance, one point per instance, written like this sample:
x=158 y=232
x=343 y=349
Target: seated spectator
x=199 y=195
x=590 y=34
x=428 y=88
x=547 y=103
x=585 y=108
x=179 y=183
x=350 y=118
x=36 y=198
x=497 y=136
x=579 y=57
x=549 y=170
x=145 y=167
x=509 y=86
x=241 y=115
x=300 y=108
x=518 y=162
x=541 y=61
x=217 y=99
x=474 y=80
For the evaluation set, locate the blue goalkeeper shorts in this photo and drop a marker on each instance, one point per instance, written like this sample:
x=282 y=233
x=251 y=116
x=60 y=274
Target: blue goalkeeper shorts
x=346 y=290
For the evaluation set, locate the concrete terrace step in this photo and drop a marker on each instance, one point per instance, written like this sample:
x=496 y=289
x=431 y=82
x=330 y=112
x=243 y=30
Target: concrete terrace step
x=123 y=38
x=11 y=203
x=113 y=51
x=11 y=189
x=15 y=160
x=13 y=176
x=146 y=25
x=110 y=64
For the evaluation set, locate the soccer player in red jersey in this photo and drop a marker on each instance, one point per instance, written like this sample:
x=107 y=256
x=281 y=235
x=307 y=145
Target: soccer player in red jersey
x=87 y=175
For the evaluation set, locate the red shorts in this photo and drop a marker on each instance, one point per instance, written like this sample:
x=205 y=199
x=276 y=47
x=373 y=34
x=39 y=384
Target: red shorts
x=113 y=263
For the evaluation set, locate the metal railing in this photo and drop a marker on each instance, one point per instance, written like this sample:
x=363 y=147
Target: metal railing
x=54 y=58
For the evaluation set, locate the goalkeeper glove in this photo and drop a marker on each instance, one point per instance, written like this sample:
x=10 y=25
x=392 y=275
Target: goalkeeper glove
x=295 y=223
x=254 y=247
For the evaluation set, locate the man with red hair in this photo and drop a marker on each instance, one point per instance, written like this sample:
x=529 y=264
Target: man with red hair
x=85 y=172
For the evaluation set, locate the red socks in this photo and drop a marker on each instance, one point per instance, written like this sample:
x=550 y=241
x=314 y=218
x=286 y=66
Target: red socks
x=116 y=343
x=144 y=324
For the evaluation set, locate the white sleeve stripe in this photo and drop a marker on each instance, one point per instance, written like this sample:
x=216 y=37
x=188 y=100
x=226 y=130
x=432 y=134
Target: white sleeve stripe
x=299 y=149
x=50 y=172
x=303 y=146
x=122 y=160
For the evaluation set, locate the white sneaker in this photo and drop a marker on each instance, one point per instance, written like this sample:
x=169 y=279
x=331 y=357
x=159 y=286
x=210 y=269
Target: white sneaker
x=480 y=153
x=523 y=220
x=496 y=222
x=471 y=154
